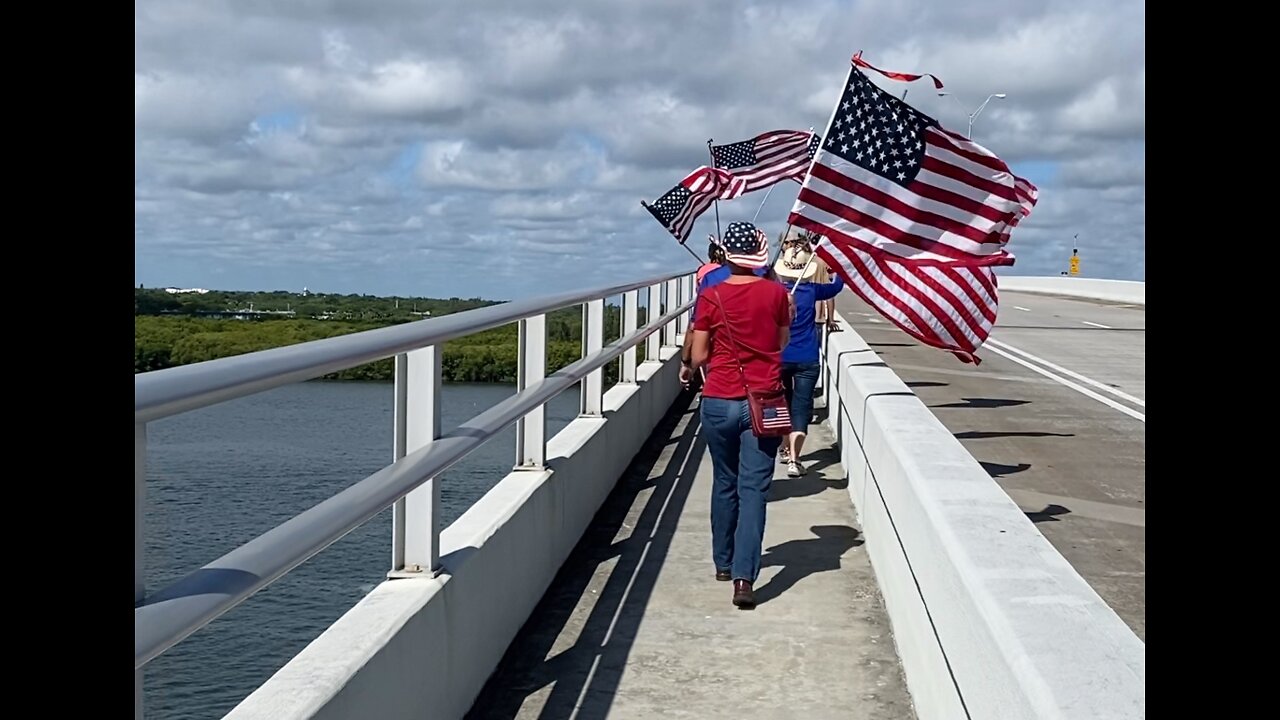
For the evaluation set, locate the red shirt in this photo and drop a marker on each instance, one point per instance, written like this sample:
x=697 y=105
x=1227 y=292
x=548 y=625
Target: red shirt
x=756 y=310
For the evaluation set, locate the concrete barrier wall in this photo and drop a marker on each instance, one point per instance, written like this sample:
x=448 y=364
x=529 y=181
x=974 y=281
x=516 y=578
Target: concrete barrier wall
x=1123 y=291
x=990 y=620
x=424 y=648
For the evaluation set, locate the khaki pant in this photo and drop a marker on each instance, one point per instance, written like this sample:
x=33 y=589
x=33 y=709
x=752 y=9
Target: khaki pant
x=824 y=311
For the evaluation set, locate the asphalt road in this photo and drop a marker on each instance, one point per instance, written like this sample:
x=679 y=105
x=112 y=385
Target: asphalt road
x=1056 y=413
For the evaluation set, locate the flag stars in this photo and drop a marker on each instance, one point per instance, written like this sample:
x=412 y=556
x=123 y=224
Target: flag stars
x=877 y=131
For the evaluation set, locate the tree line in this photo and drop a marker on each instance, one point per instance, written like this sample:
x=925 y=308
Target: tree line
x=169 y=331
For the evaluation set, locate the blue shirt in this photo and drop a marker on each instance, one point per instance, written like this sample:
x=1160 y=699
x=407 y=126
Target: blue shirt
x=715 y=277
x=803 y=347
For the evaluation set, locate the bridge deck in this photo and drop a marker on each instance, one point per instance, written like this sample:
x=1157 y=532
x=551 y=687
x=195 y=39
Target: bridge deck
x=1075 y=463
x=635 y=625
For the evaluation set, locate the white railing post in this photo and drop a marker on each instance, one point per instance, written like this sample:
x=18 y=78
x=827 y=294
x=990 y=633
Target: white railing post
x=653 y=342
x=420 y=535
x=673 y=301
x=531 y=358
x=630 y=321
x=686 y=293
x=592 y=342
x=399 y=442
x=139 y=540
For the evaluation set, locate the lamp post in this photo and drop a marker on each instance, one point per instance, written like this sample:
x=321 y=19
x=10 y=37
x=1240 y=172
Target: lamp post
x=974 y=115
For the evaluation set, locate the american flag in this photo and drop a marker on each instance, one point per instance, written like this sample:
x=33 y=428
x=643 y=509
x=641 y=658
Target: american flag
x=768 y=158
x=779 y=417
x=681 y=205
x=913 y=216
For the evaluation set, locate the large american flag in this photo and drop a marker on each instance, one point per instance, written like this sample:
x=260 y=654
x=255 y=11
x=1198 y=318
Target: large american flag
x=680 y=206
x=769 y=157
x=913 y=216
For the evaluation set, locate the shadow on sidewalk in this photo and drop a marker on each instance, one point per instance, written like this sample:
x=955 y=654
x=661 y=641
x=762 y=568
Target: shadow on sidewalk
x=591 y=668
x=801 y=558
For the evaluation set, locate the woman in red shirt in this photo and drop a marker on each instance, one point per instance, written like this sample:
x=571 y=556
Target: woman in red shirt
x=757 y=315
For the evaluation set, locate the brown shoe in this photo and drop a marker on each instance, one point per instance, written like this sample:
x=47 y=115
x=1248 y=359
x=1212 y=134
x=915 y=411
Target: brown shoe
x=723 y=576
x=743 y=597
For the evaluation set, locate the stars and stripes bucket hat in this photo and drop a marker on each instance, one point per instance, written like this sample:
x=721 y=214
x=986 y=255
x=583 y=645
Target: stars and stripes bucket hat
x=745 y=245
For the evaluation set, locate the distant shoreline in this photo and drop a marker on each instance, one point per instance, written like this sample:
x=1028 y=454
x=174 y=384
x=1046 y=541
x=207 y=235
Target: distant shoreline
x=175 y=329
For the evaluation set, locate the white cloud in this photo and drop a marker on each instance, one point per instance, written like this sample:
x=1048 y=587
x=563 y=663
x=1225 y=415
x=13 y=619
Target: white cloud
x=357 y=145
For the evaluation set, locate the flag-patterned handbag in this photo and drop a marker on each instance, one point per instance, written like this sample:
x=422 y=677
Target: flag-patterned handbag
x=770 y=416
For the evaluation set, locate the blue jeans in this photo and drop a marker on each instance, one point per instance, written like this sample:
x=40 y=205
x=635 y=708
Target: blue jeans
x=799 y=380
x=742 y=470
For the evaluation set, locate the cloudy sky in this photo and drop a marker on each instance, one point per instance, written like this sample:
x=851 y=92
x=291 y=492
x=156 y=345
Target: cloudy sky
x=501 y=149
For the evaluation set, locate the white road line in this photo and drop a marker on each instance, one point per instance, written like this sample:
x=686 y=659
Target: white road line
x=1078 y=388
x=1069 y=373
x=1097 y=325
x=1019 y=307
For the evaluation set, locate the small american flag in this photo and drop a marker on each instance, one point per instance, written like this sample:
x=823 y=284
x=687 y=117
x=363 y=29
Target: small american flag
x=913 y=216
x=768 y=158
x=776 y=417
x=681 y=205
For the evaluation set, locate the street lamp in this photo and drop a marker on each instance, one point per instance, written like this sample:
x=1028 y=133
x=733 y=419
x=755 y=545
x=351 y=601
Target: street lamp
x=973 y=115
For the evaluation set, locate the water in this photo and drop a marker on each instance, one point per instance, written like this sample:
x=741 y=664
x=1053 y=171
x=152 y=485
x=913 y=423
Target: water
x=218 y=477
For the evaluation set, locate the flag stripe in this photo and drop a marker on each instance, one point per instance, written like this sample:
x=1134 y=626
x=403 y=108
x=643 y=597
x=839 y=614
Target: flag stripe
x=939 y=166
x=821 y=222
x=901 y=302
x=891 y=197
x=964 y=197
x=970 y=151
x=881 y=229
x=867 y=280
x=921 y=288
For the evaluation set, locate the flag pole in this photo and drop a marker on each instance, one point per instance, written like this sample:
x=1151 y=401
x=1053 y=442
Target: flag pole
x=806 y=177
x=835 y=108
x=717 y=200
x=766 y=197
x=695 y=255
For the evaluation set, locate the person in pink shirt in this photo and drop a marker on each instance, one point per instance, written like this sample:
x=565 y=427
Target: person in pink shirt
x=715 y=259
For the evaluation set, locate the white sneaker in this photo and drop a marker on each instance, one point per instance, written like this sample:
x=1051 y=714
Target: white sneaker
x=784 y=455
x=795 y=469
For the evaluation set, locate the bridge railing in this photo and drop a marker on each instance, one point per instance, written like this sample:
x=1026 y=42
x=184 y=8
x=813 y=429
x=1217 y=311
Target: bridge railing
x=421 y=450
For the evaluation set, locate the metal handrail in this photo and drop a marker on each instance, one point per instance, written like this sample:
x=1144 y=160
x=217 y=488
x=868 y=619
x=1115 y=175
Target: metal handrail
x=172 y=614
x=171 y=391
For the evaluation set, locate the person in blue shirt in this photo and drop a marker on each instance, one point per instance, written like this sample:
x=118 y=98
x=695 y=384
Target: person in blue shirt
x=795 y=268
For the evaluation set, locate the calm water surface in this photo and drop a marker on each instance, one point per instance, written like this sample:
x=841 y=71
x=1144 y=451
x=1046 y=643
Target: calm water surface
x=218 y=477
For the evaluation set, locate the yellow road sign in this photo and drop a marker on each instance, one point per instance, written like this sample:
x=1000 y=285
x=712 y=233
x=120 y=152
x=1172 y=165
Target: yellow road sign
x=1075 y=265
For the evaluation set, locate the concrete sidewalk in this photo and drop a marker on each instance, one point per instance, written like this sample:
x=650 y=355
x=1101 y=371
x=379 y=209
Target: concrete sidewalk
x=636 y=626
